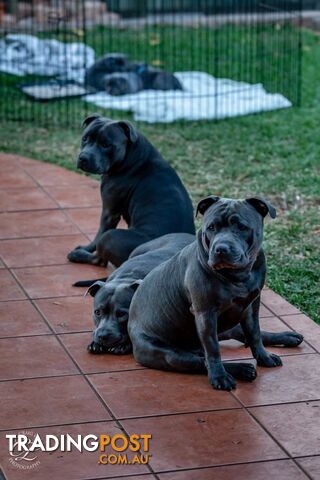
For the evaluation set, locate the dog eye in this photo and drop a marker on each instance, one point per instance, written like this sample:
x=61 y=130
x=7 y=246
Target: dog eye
x=212 y=227
x=121 y=314
x=104 y=145
x=97 y=313
x=242 y=227
x=85 y=138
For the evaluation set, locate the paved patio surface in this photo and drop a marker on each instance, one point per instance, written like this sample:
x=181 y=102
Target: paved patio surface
x=50 y=384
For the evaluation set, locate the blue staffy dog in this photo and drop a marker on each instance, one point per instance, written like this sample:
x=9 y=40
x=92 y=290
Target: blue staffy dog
x=198 y=297
x=112 y=298
x=136 y=184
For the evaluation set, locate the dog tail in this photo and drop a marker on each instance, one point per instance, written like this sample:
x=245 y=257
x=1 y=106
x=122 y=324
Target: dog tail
x=88 y=283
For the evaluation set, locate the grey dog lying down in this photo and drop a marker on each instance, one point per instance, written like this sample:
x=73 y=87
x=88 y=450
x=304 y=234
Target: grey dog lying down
x=112 y=298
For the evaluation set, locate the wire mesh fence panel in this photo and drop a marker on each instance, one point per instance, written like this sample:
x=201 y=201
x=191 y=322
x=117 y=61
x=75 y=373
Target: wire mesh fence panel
x=158 y=60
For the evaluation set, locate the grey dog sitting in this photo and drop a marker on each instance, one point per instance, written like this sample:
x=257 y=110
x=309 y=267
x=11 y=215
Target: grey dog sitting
x=112 y=298
x=186 y=305
x=137 y=184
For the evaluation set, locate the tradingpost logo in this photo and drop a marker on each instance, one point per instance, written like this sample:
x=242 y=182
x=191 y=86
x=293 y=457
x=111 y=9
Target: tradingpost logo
x=120 y=444
x=23 y=458
x=125 y=450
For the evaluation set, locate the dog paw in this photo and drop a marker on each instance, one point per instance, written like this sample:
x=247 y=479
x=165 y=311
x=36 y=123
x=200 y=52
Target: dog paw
x=96 y=348
x=269 y=360
x=81 y=255
x=121 y=349
x=292 y=339
x=223 y=382
x=73 y=256
x=246 y=372
x=79 y=247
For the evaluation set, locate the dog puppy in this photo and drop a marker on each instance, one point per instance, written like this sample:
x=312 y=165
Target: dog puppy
x=114 y=74
x=136 y=184
x=133 y=82
x=112 y=298
x=154 y=79
x=122 y=83
x=211 y=286
x=108 y=64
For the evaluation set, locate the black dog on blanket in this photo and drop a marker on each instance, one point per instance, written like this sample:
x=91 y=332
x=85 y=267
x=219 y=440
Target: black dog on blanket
x=137 y=184
x=116 y=75
x=184 y=306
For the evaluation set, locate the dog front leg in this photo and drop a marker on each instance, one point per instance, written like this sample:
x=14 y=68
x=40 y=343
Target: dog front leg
x=107 y=222
x=86 y=253
x=206 y=323
x=251 y=329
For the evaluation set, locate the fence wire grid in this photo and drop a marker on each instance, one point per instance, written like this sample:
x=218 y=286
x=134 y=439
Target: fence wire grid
x=247 y=43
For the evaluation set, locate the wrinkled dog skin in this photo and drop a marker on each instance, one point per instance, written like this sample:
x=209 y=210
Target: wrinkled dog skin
x=110 y=316
x=136 y=184
x=209 y=290
x=112 y=298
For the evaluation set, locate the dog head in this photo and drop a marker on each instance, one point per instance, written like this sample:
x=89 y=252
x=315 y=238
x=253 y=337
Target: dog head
x=232 y=230
x=122 y=83
x=110 y=314
x=113 y=62
x=104 y=144
x=117 y=84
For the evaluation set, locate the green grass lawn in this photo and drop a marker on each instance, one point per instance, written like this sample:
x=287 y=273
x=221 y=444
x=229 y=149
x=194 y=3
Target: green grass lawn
x=274 y=154
x=257 y=54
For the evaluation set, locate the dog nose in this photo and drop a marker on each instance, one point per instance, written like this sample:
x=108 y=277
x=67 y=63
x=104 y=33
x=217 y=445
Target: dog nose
x=221 y=249
x=83 y=160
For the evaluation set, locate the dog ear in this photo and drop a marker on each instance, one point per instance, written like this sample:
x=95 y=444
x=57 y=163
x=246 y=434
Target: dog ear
x=129 y=130
x=262 y=206
x=134 y=285
x=205 y=203
x=94 y=288
x=90 y=119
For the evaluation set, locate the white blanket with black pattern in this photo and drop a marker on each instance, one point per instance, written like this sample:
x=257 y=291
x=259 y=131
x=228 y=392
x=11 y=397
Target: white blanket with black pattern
x=22 y=54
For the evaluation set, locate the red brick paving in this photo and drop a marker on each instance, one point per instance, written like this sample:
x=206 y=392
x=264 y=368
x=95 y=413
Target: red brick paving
x=50 y=384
